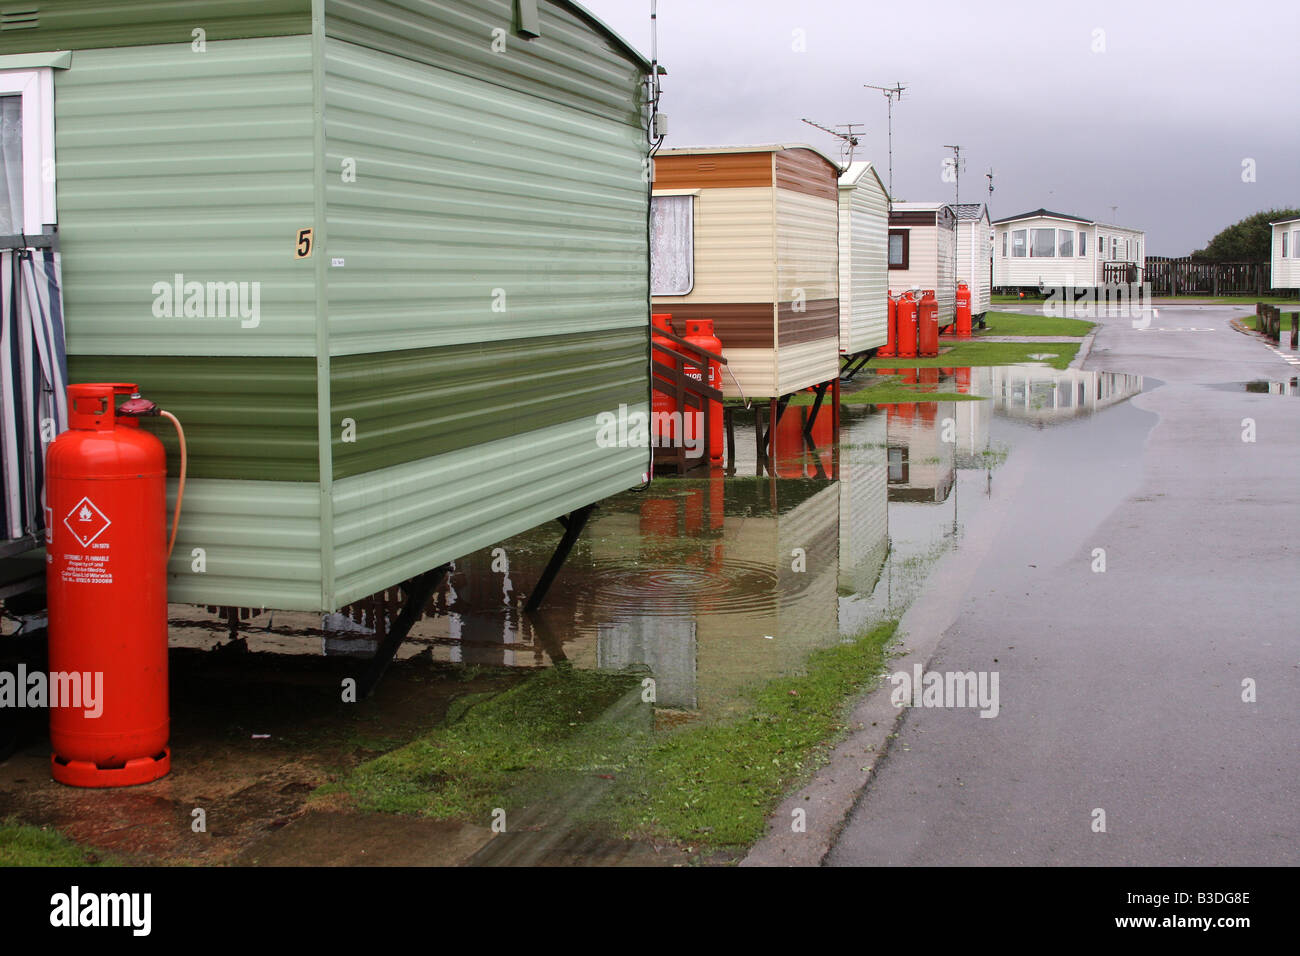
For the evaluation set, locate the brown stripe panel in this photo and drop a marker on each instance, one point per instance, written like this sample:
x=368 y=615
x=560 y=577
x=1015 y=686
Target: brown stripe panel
x=804 y=171
x=713 y=170
x=819 y=320
x=745 y=325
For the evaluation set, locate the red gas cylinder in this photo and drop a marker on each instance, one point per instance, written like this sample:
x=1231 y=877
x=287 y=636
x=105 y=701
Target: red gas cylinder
x=699 y=332
x=890 y=348
x=662 y=400
x=906 y=326
x=963 y=310
x=106 y=580
x=927 y=320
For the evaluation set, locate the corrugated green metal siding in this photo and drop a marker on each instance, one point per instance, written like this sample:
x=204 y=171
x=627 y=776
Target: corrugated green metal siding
x=252 y=418
x=570 y=63
x=464 y=188
x=473 y=424
x=200 y=164
x=88 y=24
x=391 y=524
x=261 y=545
x=415 y=404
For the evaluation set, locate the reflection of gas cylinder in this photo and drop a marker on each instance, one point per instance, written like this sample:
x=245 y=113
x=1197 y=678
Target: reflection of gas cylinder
x=659 y=518
x=927 y=411
x=823 y=436
x=963 y=380
x=890 y=348
x=699 y=332
x=663 y=402
x=927 y=320
x=906 y=325
x=963 y=310
x=106 y=578
x=928 y=377
x=789 y=452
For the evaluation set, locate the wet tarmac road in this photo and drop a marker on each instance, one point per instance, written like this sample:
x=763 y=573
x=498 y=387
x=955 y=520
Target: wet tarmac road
x=1121 y=691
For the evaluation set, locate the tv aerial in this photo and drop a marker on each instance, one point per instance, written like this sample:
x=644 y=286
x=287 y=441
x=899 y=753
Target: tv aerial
x=848 y=136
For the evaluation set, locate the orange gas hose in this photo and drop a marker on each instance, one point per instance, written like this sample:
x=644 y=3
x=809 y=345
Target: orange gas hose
x=180 y=489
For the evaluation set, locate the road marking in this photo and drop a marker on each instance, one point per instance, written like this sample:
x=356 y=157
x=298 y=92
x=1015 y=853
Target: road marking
x=1162 y=329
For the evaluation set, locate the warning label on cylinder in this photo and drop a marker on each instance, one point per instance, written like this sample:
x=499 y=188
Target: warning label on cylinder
x=86 y=521
x=86 y=569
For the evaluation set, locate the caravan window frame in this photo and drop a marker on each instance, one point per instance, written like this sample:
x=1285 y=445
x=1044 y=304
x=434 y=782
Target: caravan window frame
x=905 y=244
x=659 y=201
x=36 y=87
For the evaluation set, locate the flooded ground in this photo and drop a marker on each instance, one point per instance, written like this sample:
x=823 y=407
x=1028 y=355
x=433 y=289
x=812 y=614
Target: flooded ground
x=709 y=583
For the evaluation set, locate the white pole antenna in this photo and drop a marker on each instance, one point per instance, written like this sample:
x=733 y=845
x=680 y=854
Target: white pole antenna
x=891 y=93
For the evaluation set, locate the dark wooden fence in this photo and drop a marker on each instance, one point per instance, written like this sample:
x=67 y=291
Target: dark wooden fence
x=1189 y=276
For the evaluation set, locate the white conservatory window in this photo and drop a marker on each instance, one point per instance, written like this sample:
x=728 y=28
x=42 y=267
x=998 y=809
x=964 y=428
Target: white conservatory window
x=26 y=150
x=672 y=245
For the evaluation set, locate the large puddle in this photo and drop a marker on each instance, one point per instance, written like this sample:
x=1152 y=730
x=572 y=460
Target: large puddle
x=724 y=577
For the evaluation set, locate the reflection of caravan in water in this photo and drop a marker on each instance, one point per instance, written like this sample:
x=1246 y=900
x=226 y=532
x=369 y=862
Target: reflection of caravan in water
x=921 y=464
x=864 y=498
x=1047 y=394
x=746 y=599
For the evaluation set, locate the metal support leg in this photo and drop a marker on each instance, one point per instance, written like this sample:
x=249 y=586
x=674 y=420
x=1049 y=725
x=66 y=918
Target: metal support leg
x=816 y=407
x=729 y=419
x=418 y=592
x=573 y=525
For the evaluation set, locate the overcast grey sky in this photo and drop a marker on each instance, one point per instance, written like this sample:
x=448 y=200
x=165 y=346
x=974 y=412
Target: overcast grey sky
x=1157 y=123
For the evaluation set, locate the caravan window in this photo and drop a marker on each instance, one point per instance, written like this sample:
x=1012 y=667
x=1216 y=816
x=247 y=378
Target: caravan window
x=1083 y=244
x=1295 y=244
x=1114 y=247
x=1018 y=247
x=1066 y=239
x=26 y=151
x=672 y=245
x=1004 y=245
x=1042 y=243
x=899 y=248
x=1285 y=254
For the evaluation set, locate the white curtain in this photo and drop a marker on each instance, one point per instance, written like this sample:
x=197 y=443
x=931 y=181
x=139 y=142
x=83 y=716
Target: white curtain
x=11 y=165
x=672 y=245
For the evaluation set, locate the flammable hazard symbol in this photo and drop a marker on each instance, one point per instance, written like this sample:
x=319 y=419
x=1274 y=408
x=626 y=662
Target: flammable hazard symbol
x=86 y=522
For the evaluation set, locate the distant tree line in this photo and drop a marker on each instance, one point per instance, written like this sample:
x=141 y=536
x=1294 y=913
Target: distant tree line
x=1247 y=241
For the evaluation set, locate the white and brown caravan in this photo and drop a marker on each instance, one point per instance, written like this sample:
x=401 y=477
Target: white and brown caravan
x=748 y=236
x=923 y=252
x=864 y=278
x=975 y=255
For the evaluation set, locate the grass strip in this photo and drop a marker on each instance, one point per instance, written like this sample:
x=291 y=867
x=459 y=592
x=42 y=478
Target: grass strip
x=717 y=784
x=24 y=845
